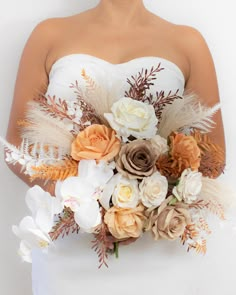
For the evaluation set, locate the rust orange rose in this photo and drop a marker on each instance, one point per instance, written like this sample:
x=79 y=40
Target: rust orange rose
x=96 y=142
x=125 y=223
x=184 y=151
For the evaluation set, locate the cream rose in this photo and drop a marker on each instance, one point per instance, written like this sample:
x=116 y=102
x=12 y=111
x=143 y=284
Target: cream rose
x=153 y=190
x=132 y=117
x=189 y=186
x=126 y=193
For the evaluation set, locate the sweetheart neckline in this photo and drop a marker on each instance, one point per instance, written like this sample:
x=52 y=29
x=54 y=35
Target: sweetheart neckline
x=117 y=64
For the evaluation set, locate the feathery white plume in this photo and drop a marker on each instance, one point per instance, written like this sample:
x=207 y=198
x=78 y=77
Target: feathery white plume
x=100 y=93
x=216 y=190
x=187 y=112
x=46 y=129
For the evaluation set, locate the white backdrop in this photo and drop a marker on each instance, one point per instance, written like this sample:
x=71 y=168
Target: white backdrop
x=216 y=21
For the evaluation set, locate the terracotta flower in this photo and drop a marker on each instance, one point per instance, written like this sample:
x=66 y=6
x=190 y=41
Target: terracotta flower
x=96 y=142
x=137 y=159
x=184 y=152
x=169 y=222
x=125 y=223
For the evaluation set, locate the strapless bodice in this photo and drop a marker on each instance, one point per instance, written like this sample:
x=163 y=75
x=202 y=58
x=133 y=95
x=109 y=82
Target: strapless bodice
x=70 y=68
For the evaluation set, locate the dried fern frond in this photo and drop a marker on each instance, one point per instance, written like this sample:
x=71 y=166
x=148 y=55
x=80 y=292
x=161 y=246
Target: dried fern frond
x=53 y=106
x=141 y=83
x=67 y=168
x=46 y=129
x=23 y=123
x=190 y=232
x=103 y=243
x=214 y=190
x=186 y=113
x=216 y=208
x=213 y=156
x=203 y=225
x=191 y=237
x=200 y=246
x=65 y=225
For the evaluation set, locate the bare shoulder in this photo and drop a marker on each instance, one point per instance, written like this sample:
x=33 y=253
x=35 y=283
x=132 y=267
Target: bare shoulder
x=193 y=41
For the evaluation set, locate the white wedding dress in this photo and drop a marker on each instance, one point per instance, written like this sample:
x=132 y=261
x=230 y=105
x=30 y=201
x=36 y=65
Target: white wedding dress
x=71 y=267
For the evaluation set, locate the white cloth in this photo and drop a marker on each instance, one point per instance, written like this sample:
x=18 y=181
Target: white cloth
x=71 y=267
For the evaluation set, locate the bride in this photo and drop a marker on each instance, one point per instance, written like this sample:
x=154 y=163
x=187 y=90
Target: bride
x=115 y=40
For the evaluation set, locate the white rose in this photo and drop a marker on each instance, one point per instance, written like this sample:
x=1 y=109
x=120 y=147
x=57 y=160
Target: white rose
x=132 y=117
x=153 y=190
x=160 y=143
x=189 y=186
x=126 y=192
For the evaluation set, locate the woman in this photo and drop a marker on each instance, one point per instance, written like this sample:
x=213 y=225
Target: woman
x=115 y=35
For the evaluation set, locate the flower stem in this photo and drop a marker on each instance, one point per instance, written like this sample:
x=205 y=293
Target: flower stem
x=116 y=249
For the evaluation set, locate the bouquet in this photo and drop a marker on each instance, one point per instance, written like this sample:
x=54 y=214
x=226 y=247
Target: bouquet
x=121 y=166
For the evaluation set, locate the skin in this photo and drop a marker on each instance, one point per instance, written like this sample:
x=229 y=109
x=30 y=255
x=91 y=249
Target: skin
x=116 y=31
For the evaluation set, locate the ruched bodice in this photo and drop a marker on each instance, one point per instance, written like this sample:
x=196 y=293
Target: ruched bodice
x=68 y=69
x=71 y=266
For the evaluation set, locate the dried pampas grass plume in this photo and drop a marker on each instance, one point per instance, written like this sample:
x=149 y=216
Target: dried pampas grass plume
x=219 y=192
x=187 y=113
x=46 y=129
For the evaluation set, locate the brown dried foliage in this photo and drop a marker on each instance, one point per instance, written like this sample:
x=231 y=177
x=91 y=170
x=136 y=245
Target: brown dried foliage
x=65 y=225
x=53 y=106
x=56 y=172
x=212 y=158
x=143 y=82
x=103 y=243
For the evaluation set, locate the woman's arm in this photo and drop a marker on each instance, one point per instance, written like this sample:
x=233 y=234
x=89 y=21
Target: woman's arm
x=31 y=80
x=202 y=77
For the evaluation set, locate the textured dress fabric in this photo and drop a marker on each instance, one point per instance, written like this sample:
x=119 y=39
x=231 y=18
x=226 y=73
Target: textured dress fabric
x=71 y=266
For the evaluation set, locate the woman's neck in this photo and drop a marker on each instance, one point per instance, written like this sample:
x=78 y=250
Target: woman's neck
x=121 y=12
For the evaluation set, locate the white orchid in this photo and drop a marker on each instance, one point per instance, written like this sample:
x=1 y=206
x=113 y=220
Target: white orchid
x=34 y=230
x=43 y=207
x=32 y=237
x=80 y=193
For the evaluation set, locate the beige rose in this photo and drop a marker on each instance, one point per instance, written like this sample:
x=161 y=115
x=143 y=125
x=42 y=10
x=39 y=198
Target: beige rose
x=96 y=142
x=125 y=223
x=169 y=222
x=137 y=159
